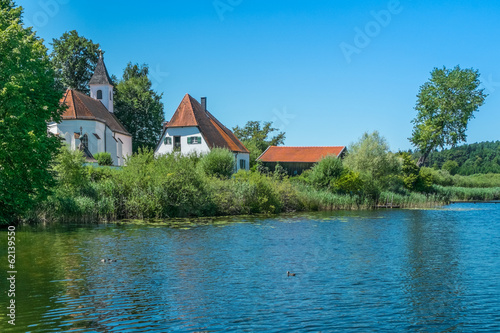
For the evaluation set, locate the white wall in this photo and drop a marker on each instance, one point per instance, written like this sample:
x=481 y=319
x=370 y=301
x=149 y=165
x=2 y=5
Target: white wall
x=184 y=133
x=126 y=147
x=246 y=158
x=107 y=98
x=107 y=142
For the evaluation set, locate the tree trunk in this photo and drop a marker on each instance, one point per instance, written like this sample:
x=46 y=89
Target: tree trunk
x=422 y=159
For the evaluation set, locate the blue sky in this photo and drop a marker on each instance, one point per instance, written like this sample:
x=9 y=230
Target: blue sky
x=322 y=71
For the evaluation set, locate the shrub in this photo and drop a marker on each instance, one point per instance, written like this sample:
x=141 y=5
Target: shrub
x=218 y=163
x=326 y=171
x=104 y=159
x=69 y=168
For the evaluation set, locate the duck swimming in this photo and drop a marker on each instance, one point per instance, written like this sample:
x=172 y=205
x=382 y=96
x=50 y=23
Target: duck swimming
x=108 y=260
x=290 y=274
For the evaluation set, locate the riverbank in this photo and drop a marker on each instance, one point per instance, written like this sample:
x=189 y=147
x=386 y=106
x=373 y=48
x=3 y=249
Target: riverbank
x=176 y=186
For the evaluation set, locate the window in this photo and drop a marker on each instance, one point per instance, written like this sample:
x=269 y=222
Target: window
x=192 y=140
x=99 y=94
x=177 y=143
x=84 y=140
x=168 y=140
x=243 y=164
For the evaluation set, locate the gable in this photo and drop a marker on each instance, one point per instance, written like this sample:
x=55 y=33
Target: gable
x=190 y=113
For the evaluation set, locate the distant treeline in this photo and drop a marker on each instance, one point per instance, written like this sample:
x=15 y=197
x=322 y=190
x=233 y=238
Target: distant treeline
x=482 y=157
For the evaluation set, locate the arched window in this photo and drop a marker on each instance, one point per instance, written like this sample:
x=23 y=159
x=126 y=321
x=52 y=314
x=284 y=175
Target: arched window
x=99 y=94
x=85 y=140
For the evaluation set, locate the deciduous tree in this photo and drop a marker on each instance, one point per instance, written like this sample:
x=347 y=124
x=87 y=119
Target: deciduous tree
x=445 y=104
x=257 y=138
x=74 y=58
x=28 y=100
x=138 y=107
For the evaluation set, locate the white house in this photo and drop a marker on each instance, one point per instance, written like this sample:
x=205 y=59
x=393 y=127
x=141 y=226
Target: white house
x=88 y=123
x=194 y=129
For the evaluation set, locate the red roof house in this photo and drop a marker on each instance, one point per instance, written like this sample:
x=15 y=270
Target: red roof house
x=297 y=159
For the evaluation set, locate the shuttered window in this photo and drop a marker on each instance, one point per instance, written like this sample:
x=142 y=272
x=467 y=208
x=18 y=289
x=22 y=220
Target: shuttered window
x=193 y=140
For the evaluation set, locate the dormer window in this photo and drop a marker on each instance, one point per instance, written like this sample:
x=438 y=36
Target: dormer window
x=99 y=94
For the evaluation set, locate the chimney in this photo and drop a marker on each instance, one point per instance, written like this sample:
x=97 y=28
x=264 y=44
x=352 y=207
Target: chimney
x=204 y=103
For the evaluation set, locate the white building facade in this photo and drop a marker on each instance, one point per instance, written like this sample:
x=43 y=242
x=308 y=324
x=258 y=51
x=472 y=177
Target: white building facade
x=88 y=123
x=193 y=129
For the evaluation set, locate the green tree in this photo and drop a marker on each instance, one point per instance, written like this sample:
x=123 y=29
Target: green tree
x=445 y=104
x=74 y=59
x=257 y=138
x=70 y=169
x=450 y=166
x=138 y=107
x=370 y=156
x=28 y=100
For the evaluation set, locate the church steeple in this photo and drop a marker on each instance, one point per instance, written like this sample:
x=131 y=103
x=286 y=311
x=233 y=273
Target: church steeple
x=100 y=84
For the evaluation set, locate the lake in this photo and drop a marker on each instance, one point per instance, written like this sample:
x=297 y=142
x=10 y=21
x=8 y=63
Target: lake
x=356 y=271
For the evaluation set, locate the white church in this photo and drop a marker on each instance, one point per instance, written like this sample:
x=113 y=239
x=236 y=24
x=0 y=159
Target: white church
x=194 y=129
x=88 y=123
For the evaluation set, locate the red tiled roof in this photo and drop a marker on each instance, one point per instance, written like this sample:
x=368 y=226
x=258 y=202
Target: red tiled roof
x=299 y=154
x=81 y=106
x=190 y=113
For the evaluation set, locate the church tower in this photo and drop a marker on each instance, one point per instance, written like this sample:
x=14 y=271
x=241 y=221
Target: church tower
x=100 y=85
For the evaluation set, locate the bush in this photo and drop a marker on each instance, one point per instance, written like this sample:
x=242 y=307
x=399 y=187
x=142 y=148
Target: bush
x=326 y=171
x=218 y=163
x=104 y=159
x=70 y=170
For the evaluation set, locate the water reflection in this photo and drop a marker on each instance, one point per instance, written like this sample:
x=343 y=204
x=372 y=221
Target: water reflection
x=433 y=284
x=355 y=271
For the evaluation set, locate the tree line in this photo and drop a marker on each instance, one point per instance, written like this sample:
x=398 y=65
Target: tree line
x=467 y=159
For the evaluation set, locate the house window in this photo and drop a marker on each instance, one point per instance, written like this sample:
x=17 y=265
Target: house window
x=177 y=143
x=99 y=94
x=85 y=140
x=243 y=164
x=192 y=140
x=168 y=140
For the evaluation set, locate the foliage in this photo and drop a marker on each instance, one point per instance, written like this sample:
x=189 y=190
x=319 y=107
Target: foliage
x=70 y=170
x=74 y=59
x=326 y=171
x=450 y=166
x=218 y=163
x=349 y=182
x=28 y=100
x=371 y=156
x=445 y=104
x=482 y=157
x=138 y=107
x=257 y=139
x=104 y=159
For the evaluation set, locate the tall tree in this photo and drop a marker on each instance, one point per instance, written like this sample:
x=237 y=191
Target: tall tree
x=28 y=100
x=257 y=138
x=138 y=107
x=445 y=104
x=74 y=59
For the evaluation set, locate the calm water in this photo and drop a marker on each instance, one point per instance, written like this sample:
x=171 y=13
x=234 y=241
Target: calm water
x=386 y=271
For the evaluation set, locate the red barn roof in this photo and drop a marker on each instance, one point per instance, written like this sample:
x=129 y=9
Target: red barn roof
x=81 y=106
x=299 y=154
x=190 y=113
